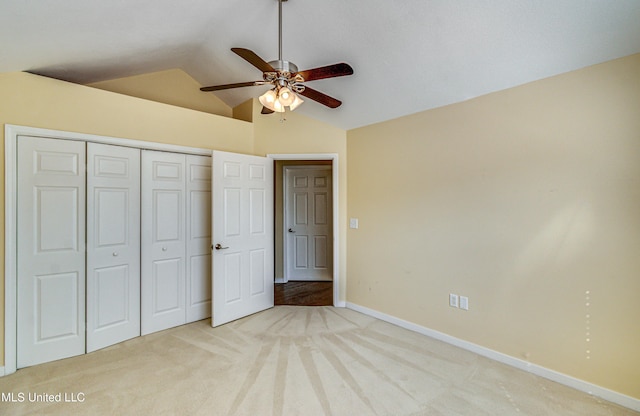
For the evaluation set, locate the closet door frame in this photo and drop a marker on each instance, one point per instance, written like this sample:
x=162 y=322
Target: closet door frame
x=12 y=134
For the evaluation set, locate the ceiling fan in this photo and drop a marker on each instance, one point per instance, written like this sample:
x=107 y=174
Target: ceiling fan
x=288 y=83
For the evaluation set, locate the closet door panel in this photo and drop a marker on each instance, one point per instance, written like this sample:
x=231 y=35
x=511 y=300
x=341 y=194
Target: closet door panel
x=50 y=250
x=113 y=245
x=198 y=238
x=163 y=241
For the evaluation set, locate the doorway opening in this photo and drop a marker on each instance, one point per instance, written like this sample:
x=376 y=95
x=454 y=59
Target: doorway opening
x=304 y=232
x=303 y=293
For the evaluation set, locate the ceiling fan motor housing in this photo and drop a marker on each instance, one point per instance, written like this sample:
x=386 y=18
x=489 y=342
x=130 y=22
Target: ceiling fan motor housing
x=285 y=75
x=284 y=66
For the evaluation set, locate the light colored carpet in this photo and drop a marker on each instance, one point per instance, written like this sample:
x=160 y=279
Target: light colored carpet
x=292 y=361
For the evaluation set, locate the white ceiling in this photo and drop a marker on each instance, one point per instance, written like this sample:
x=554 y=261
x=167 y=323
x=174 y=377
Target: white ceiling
x=408 y=56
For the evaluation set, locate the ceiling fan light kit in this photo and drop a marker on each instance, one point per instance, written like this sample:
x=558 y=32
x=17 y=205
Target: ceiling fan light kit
x=287 y=82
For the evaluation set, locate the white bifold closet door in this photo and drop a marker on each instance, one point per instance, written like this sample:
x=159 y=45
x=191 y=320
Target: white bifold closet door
x=163 y=241
x=50 y=250
x=113 y=242
x=113 y=245
x=198 y=238
x=176 y=240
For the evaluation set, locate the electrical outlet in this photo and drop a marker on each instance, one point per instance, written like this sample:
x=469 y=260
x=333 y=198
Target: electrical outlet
x=453 y=300
x=464 y=303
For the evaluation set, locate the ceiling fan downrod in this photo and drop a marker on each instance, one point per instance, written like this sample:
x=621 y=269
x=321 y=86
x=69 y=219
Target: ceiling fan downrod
x=282 y=65
x=280 y=29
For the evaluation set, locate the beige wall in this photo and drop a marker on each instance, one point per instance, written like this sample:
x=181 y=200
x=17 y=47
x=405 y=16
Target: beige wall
x=244 y=111
x=173 y=86
x=34 y=101
x=528 y=202
x=300 y=134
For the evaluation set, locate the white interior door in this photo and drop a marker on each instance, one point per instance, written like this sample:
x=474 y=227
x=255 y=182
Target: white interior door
x=50 y=250
x=113 y=244
x=308 y=223
x=243 y=267
x=198 y=238
x=163 y=241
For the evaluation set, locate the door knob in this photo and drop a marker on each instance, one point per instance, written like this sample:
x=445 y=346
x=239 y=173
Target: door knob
x=115 y=254
x=219 y=247
x=291 y=231
x=164 y=249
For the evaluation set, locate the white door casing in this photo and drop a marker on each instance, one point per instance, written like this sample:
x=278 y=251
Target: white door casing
x=163 y=241
x=113 y=245
x=308 y=223
x=50 y=250
x=243 y=267
x=198 y=281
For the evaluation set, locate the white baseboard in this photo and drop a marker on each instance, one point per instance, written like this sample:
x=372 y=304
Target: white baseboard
x=581 y=385
x=279 y=280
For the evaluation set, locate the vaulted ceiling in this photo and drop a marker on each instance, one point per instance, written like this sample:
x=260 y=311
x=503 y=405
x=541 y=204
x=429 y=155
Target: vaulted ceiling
x=408 y=56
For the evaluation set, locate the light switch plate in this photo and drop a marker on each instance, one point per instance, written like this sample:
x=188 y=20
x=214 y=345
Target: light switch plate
x=464 y=303
x=353 y=223
x=453 y=300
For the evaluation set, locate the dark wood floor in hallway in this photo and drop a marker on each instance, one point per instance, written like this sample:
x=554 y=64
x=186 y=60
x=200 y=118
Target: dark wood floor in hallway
x=304 y=293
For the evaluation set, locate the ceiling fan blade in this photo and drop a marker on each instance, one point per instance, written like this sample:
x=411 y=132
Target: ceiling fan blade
x=265 y=110
x=253 y=59
x=329 y=71
x=228 y=86
x=320 y=97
